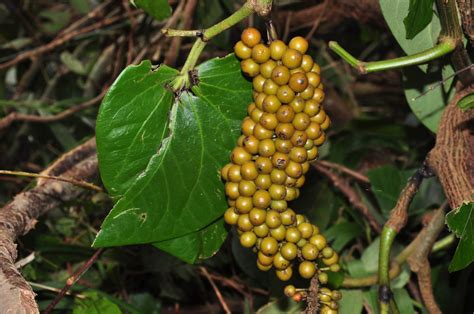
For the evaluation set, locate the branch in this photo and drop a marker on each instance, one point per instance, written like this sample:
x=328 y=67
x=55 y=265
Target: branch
x=446 y=46
x=451 y=158
x=351 y=194
x=419 y=263
x=62 y=40
x=72 y=280
x=398 y=219
x=15 y=116
x=261 y=7
x=19 y=216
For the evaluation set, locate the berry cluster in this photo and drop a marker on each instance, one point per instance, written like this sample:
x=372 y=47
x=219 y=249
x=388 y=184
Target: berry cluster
x=281 y=134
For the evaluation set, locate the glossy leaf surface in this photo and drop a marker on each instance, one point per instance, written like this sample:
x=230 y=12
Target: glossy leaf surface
x=169 y=188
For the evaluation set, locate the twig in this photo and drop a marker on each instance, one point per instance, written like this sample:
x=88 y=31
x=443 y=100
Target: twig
x=446 y=46
x=19 y=216
x=80 y=183
x=356 y=175
x=25 y=261
x=426 y=288
x=15 y=116
x=397 y=220
x=351 y=194
x=48 y=288
x=187 y=22
x=72 y=280
x=419 y=263
x=318 y=20
x=234 y=284
x=63 y=39
x=92 y=14
x=169 y=23
x=216 y=290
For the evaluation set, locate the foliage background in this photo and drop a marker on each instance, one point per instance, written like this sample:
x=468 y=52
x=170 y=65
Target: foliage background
x=374 y=131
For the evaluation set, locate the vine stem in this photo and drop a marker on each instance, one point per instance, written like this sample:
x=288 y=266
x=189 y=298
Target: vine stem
x=262 y=7
x=446 y=46
x=397 y=220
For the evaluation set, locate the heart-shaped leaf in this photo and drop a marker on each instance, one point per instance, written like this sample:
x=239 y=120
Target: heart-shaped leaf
x=461 y=222
x=167 y=180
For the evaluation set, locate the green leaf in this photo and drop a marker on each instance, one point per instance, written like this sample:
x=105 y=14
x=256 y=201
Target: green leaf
x=132 y=122
x=394 y=11
x=95 y=303
x=281 y=306
x=351 y=302
x=342 y=233
x=165 y=174
x=387 y=183
x=202 y=244
x=54 y=20
x=403 y=300
x=461 y=222
x=466 y=103
x=159 y=9
x=420 y=13
x=73 y=63
x=427 y=103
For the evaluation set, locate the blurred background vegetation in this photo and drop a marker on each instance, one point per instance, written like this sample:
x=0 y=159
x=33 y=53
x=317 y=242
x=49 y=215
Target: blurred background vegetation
x=55 y=93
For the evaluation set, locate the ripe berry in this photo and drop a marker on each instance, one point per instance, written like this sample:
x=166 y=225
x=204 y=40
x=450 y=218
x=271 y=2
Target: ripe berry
x=260 y=53
x=269 y=246
x=299 y=43
x=248 y=239
x=292 y=58
x=250 y=67
x=290 y=290
x=307 y=269
x=285 y=274
x=230 y=216
x=240 y=156
x=289 y=251
x=251 y=37
x=277 y=49
x=257 y=216
x=266 y=68
x=298 y=82
x=280 y=75
x=242 y=51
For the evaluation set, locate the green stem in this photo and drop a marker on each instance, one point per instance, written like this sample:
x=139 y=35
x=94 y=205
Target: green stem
x=443 y=48
x=251 y=6
x=443 y=243
x=227 y=23
x=386 y=241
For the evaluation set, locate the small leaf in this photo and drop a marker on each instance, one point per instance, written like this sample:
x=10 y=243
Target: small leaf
x=426 y=103
x=394 y=11
x=461 y=222
x=95 y=303
x=281 y=306
x=159 y=9
x=420 y=13
x=162 y=165
x=351 y=302
x=467 y=102
x=387 y=183
x=403 y=300
x=202 y=244
x=72 y=63
x=342 y=233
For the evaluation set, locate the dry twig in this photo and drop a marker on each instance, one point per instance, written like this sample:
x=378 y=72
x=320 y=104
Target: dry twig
x=19 y=216
x=216 y=290
x=15 y=116
x=72 y=280
x=351 y=194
